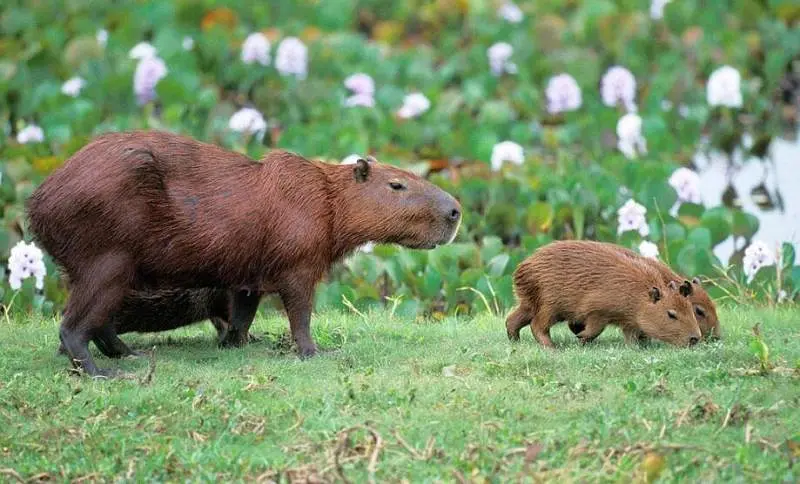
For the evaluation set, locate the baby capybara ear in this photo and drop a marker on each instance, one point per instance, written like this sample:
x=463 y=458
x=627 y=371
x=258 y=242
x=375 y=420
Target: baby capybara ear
x=655 y=294
x=696 y=280
x=361 y=170
x=686 y=289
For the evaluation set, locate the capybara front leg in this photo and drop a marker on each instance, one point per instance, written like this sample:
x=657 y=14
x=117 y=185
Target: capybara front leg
x=634 y=336
x=245 y=305
x=517 y=320
x=298 y=308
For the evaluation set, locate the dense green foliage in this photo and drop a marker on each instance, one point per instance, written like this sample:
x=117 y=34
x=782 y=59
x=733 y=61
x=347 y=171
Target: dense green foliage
x=491 y=411
x=572 y=182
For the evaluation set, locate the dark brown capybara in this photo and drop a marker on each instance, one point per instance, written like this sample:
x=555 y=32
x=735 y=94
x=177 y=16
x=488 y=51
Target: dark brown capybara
x=705 y=310
x=164 y=310
x=592 y=285
x=150 y=210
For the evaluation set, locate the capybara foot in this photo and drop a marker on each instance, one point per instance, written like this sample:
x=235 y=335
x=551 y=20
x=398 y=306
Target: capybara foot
x=515 y=321
x=307 y=350
x=234 y=339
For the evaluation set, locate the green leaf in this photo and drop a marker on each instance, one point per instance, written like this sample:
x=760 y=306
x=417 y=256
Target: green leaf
x=540 y=217
x=431 y=283
x=690 y=213
x=490 y=247
x=744 y=224
x=497 y=265
x=719 y=221
x=700 y=237
x=788 y=254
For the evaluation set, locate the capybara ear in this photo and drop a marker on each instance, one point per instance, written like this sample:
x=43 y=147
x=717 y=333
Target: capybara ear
x=672 y=285
x=696 y=280
x=371 y=159
x=686 y=289
x=655 y=294
x=361 y=170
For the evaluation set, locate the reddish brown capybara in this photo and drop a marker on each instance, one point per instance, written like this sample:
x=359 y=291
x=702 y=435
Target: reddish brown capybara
x=164 y=310
x=705 y=310
x=592 y=284
x=147 y=210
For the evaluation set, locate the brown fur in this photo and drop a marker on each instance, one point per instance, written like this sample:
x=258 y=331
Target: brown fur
x=705 y=310
x=151 y=210
x=592 y=285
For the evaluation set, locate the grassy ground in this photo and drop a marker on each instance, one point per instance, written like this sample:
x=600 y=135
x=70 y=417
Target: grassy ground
x=447 y=401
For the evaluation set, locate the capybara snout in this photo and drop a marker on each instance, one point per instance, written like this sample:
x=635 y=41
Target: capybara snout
x=412 y=211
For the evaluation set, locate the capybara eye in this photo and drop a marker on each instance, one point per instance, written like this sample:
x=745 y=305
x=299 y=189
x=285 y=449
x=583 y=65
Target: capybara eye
x=672 y=314
x=397 y=186
x=699 y=311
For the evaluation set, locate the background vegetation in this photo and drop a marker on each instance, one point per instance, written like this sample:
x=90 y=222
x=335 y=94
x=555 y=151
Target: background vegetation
x=570 y=185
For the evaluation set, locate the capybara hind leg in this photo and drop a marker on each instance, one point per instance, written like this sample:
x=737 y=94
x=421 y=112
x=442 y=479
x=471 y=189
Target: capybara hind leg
x=297 y=301
x=92 y=301
x=517 y=320
x=245 y=306
x=541 y=328
x=592 y=328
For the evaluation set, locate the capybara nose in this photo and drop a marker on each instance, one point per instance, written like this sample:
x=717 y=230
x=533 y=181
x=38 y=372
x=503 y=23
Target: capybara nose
x=454 y=215
x=693 y=340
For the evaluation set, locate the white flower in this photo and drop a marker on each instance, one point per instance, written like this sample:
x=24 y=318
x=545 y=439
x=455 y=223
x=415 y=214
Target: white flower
x=499 y=55
x=360 y=83
x=629 y=133
x=188 y=43
x=30 y=134
x=292 y=58
x=148 y=72
x=73 y=86
x=618 y=86
x=666 y=105
x=507 y=151
x=414 y=104
x=367 y=247
x=510 y=12
x=247 y=120
x=142 y=50
x=563 y=94
x=648 y=249
x=26 y=260
x=683 y=111
x=724 y=88
x=360 y=100
x=102 y=37
x=631 y=216
x=350 y=159
x=256 y=49
x=657 y=8
x=756 y=256
x=687 y=183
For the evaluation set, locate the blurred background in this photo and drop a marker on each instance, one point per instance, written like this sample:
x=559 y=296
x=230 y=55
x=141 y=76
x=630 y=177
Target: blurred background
x=669 y=127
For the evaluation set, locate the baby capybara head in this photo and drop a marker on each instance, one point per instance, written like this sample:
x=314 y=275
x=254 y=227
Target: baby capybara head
x=667 y=315
x=395 y=206
x=705 y=311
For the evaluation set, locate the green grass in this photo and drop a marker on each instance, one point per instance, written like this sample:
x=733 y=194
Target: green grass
x=489 y=408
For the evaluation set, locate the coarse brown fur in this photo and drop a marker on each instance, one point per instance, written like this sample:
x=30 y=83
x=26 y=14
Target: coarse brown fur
x=153 y=210
x=164 y=310
x=705 y=310
x=592 y=285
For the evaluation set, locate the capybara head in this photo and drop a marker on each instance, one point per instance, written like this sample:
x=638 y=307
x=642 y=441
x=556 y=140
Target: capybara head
x=705 y=311
x=667 y=315
x=396 y=206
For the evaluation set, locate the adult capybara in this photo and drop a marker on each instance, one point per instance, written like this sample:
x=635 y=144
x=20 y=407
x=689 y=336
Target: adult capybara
x=593 y=285
x=153 y=210
x=164 y=310
x=705 y=310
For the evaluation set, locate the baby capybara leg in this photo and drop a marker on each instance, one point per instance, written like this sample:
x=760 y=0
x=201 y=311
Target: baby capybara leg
x=109 y=344
x=517 y=320
x=592 y=326
x=245 y=306
x=92 y=300
x=634 y=336
x=540 y=327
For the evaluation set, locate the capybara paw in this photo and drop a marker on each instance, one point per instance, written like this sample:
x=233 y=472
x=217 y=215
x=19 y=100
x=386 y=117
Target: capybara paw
x=307 y=351
x=234 y=340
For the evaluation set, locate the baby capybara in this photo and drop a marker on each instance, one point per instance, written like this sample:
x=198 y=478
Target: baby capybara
x=149 y=210
x=164 y=310
x=705 y=311
x=593 y=285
